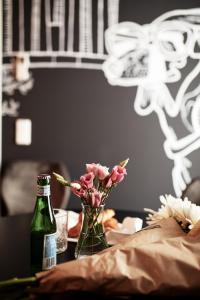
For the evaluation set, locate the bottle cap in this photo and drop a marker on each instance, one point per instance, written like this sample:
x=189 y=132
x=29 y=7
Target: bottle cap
x=44 y=176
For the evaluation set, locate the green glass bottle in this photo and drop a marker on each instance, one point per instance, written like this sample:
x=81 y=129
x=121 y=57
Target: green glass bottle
x=43 y=228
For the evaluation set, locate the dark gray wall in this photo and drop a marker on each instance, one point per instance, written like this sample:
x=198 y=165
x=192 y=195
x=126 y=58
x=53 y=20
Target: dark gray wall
x=79 y=118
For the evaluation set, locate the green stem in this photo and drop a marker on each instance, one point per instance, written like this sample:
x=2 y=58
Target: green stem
x=13 y=281
x=96 y=218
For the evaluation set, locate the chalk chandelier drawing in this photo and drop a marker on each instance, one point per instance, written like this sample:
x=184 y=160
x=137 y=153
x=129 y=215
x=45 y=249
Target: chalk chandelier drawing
x=151 y=57
x=55 y=36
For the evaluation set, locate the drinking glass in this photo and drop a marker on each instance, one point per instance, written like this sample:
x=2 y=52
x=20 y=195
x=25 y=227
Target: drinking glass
x=61 y=217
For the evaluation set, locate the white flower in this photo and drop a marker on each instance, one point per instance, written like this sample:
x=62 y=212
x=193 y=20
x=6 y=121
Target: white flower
x=186 y=213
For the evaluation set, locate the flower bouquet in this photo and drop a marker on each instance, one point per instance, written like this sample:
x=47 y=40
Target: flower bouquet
x=186 y=213
x=93 y=188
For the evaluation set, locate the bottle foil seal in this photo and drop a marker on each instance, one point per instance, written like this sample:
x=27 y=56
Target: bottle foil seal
x=43 y=190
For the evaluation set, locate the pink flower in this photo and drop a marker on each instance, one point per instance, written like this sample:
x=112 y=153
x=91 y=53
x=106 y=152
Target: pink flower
x=102 y=172
x=117 y=174
x=87 y=180
x=91 y=168
x=94 y=198
x=98 y=170
x=80 y=192
x=94 y=187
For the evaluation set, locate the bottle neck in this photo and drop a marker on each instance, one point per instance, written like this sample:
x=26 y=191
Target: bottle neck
x=43 y=202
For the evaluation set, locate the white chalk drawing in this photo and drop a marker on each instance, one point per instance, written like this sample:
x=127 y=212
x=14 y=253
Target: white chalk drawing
x=150 y=56
x=10 y=108
x=83 y=50
x=34 y=44
x=153 y=57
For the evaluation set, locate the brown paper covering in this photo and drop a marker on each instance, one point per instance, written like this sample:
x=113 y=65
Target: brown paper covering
x=160 y=259
x=195 y=230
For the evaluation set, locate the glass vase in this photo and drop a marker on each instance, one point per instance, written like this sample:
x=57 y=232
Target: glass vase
x=92 y=236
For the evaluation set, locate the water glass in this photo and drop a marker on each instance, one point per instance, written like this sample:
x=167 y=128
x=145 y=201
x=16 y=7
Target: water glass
x=61 y=217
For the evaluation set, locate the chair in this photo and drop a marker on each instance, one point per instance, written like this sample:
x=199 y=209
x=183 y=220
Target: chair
x=19 y=185
x=192 y=191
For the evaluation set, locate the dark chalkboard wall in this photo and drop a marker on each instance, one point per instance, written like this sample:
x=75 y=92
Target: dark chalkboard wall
x=79 y=118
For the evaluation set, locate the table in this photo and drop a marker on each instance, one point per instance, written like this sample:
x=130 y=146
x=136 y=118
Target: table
x=15 y=251
x=15 y=245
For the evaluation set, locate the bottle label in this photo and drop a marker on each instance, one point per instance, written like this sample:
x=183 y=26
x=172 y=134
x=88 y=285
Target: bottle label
x=49 y=251
x=43 y=190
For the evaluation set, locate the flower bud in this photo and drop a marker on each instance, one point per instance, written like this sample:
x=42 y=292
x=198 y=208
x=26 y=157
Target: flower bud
x=75 y=185
x=124 y=163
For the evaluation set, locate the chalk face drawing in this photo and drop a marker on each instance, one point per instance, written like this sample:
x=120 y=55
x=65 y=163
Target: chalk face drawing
x=153 y=57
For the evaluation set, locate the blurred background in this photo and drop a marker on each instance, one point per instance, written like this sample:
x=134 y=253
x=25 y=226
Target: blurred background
x=76 y=116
